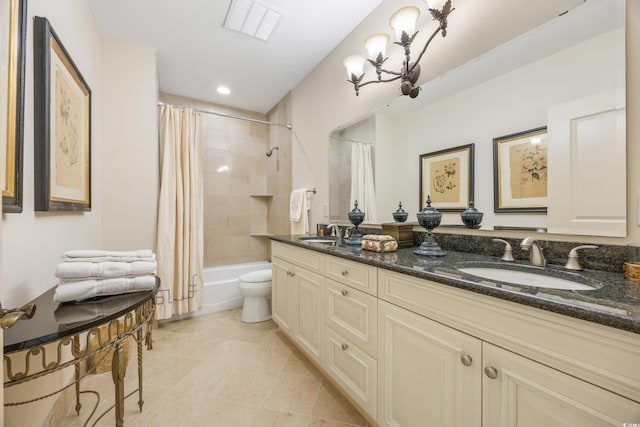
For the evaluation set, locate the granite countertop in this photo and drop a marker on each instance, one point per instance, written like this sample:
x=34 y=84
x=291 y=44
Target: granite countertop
x=615 y=302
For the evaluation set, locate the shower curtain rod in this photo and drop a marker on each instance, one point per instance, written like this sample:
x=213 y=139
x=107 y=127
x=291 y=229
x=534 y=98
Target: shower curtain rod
x=351 y=140
x=230 y=116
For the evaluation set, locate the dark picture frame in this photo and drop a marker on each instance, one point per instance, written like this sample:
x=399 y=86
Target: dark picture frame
x=520 y=172
x=447 y=176
x=62 y=137
x=14 y=21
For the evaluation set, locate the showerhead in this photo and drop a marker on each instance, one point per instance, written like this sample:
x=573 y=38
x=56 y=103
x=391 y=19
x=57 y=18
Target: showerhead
x=271 y=150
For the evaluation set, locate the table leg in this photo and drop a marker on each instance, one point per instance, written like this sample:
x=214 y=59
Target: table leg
x=139 y=341
x=76 y=350
x=118 y=370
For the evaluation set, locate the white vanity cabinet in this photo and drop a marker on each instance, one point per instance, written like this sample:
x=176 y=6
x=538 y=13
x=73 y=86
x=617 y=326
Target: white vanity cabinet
x=296 y=300
x=411 y=352
x=527 y=367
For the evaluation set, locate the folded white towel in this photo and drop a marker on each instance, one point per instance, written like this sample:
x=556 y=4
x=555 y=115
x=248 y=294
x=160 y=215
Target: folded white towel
x=296 y=204
x=92 y=253
x=95 y=270
x=82 y=290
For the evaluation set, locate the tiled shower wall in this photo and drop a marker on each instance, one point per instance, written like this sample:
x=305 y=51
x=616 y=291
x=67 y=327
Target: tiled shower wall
x=242 y=188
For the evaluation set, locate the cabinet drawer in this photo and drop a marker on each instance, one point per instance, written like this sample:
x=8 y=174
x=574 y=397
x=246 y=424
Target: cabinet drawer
x=353 y=369
x=352 y=273
x=353 y=314
x=304 y=258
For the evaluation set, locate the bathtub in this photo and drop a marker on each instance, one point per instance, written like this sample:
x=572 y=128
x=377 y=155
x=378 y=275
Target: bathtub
x=221 y=285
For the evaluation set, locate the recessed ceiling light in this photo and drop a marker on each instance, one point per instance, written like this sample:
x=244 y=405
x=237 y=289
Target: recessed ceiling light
x=222 y=90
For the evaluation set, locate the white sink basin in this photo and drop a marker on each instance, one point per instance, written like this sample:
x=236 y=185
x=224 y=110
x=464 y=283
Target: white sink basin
x=526 y=278
x=317 y=239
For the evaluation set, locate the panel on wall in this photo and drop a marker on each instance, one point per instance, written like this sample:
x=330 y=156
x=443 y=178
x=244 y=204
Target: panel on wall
x=587 y=178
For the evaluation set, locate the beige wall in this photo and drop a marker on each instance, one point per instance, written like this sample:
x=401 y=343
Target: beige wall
x=323 y=100
x=32 y=243
x=130 y=156
x=279 y=168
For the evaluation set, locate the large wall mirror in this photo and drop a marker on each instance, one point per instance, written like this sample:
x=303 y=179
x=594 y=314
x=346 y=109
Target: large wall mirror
x=516 y=87
x=12 y=68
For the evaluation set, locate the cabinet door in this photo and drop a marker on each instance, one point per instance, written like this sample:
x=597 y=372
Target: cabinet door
x=308 y=308
x=519 y=392
x=282 y=294
x=428 y=374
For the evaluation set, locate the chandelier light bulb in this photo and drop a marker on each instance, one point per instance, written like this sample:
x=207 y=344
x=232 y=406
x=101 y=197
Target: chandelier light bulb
x=354 y=65
x=376 y=44
x=404 y=20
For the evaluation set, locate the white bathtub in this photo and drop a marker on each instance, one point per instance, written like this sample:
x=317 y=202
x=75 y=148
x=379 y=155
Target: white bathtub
x=221 y=285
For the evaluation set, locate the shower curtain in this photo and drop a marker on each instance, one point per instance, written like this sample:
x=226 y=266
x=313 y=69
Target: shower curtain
x=362 y=188
x=180 y=213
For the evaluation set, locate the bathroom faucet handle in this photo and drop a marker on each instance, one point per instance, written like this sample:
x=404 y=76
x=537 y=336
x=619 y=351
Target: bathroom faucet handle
x=508 y=252
x=573 y=262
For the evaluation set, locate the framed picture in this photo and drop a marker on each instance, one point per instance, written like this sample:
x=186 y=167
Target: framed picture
x=447 y=176
x=13 y=18
x=62 y=119
x=520 y=171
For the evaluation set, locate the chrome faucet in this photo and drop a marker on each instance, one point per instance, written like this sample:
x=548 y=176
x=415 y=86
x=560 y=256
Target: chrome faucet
x=535 y=251
x=335 y=231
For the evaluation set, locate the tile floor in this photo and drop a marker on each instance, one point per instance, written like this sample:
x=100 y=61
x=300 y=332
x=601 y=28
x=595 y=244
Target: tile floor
x=214 y=370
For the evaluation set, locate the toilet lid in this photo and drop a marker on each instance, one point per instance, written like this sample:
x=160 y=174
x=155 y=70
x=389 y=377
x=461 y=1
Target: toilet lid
x=256 y=276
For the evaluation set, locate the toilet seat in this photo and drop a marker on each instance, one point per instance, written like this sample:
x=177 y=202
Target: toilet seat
x=256 y=276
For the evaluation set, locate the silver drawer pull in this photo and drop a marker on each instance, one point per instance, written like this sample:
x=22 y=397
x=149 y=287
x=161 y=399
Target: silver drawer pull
x=466 y=360
x=344 y=346
x=491 y=372
x=344 y=272
x=344 y=292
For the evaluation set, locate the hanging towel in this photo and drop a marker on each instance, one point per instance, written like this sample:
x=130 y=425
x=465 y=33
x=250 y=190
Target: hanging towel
x=85 y=289
x=104 y=270
x=299 y=211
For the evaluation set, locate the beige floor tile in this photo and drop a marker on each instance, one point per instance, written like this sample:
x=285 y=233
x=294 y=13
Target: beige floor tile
x=239 y=414
x=294 y=393
x=214 y=370
x=249 y=385
x=331 y=405
x=297 y=364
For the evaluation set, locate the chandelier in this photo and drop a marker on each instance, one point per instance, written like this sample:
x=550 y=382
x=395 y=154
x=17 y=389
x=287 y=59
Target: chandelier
x=403 y=22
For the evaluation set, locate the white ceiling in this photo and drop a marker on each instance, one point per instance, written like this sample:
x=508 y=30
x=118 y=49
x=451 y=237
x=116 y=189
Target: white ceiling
x=196 y=54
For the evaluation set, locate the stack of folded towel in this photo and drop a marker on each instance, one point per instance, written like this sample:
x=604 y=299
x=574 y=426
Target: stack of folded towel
x=86 y=274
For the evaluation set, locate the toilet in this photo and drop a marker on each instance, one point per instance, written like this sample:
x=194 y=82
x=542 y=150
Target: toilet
x=256 y=289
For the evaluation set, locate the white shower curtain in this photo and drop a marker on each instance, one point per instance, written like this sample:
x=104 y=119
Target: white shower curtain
x=362 y=188
x=180 y=213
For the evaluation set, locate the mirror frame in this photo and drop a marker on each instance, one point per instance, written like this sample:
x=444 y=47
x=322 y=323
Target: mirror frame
x=16 y=47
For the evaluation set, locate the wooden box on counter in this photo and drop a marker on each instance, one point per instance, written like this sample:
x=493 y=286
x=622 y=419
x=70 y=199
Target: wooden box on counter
x=401 y=231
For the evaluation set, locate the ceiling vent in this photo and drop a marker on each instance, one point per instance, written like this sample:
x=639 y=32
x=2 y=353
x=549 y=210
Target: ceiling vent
x=252 y=18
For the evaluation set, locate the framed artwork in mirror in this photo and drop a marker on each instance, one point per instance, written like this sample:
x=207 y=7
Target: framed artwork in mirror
x=13 y=17
x=520 y=171
x=62 y=119
x=447 y=176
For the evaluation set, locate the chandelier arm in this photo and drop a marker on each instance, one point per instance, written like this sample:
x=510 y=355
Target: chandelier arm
x=393 y=73
x=417 y=61
x=379 y=81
